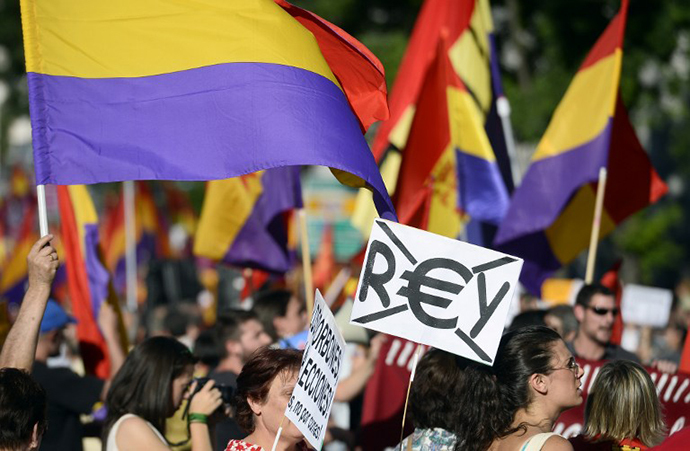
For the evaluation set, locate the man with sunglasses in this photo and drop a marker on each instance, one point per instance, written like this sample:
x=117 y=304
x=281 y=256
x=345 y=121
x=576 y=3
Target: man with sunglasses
x=595 y=309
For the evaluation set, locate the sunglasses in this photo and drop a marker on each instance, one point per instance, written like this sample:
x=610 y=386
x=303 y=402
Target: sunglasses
x=604 y=311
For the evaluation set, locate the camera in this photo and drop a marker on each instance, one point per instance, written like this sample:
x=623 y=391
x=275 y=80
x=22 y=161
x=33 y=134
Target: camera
x=227 y=393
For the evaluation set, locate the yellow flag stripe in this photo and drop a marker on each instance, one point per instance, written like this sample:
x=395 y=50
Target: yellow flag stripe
x=135 y=38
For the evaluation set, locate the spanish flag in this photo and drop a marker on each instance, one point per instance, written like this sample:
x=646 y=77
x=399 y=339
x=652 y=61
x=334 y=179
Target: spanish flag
x=550 y=216
x=472 y=56
x=448 y=167
x=161 y=89
x=469 y=29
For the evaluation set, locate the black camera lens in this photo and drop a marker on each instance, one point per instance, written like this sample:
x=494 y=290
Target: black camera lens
x=227 y=393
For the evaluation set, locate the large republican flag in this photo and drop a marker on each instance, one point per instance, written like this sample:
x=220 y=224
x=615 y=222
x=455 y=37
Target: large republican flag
x=244 y=220
x=550 y=216
x=161 y=89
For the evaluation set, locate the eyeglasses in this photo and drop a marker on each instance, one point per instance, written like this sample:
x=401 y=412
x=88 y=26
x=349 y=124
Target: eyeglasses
x=572 y=365
x=604 y=311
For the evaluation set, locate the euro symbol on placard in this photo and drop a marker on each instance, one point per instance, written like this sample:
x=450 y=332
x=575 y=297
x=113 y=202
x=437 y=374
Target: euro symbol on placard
x=419 y=278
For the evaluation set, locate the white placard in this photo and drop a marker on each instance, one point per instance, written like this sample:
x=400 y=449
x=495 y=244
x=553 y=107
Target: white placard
x=646 y=306
x=310 y=403
x=435 y=290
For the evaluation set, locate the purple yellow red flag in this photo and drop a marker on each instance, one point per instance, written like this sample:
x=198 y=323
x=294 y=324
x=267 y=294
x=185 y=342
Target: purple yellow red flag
x=20 y=184
x=244 y=220
x=87 y=277
x=15 y=274
x=152 y=225
x=179 y=207
x=550 y=216
x=151 y=234
x=117 y=92
x=364 y=84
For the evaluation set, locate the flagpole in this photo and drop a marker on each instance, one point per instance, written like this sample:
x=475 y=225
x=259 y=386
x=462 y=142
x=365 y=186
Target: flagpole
x=306 y=262
x=42 y=210
x=130 y=245
x=278 y=434
x=503 y=109
x=409 y=387
x=596 y=225
x=337 y=286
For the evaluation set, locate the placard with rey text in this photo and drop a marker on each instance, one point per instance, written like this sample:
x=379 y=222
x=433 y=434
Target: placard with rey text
x=435 y=290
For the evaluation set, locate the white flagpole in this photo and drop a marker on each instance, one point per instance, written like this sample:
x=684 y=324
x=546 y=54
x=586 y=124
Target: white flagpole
x=130 y=245
x=503 y=109
x=596 y=226
x=42 y=210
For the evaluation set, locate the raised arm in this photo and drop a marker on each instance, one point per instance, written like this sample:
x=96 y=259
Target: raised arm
x=20 y=346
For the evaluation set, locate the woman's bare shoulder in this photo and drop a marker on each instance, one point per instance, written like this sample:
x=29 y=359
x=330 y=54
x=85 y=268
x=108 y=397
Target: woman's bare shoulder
x=516 y=442
x=557 y=443
x=136 y=433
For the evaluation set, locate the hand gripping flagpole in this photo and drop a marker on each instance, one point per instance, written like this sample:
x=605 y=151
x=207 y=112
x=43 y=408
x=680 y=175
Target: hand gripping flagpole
x=42 y=210
x=596 y=226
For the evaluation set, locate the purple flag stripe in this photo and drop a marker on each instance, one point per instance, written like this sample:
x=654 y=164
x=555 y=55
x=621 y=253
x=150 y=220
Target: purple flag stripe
x=97 y=274
x=549 y=185
x=262 y=241
x=482 y=193
x=207 y=123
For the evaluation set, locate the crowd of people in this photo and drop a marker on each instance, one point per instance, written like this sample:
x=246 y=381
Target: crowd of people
x=226 y=387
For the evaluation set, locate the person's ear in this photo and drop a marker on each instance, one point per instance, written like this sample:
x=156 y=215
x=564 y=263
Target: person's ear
x=539 y=383
x=255 y=406
x=35 y=439
x=579 y=311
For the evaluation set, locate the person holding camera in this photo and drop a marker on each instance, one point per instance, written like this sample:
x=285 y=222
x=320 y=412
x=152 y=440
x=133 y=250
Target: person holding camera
x=149 y=388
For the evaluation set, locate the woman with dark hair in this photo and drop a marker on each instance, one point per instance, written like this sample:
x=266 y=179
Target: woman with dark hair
x=148 y=389
x=264 y=388
x=622 y=411
x=453 y=403
x=22 y=411
x=538 y=379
